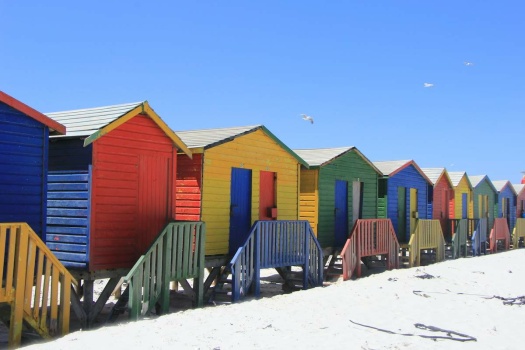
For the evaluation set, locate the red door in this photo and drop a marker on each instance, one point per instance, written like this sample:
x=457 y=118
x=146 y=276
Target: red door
x=153 y=199
x=267 y=202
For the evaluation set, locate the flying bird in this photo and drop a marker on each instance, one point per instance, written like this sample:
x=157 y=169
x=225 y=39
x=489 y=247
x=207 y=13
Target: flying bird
x=308 y=118
x=427 y=85
x=466 y=63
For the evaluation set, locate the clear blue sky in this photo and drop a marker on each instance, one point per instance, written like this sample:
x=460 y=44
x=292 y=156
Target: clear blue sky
x=357 y=66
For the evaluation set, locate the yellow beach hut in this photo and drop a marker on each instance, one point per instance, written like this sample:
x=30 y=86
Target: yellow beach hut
x=238 y=175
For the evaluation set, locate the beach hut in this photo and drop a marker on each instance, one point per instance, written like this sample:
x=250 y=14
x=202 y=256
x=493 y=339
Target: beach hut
x=506 y=202
x=338 y=188
x=484 y=198
x=520 y=200
x=461 y=207
x=518 y=234
x=441 y=196
x=237 y=175
x=24 y=134
x=403 y=194
x=111 y=186
x=32 y=280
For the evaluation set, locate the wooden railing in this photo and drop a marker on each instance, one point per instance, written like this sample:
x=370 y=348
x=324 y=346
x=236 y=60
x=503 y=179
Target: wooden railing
x=176 y=255
x=518 y=232
x=500 y=231
x=427 y=235
x=479 y=237
x=370 y=237
x=34 y=283
x=273 y=244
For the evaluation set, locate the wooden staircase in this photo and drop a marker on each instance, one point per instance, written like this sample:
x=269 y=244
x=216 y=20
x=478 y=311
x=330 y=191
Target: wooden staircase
x=36 y=288
x=499 y=234
x=518 y=233
x=479 y=237
x=427 y=236
x=278 y=244
x=370 y=237
x=176 y=255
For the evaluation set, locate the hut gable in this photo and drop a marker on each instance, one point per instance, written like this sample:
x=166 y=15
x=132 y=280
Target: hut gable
x=92 y=123
x=55 y=128
x=435 y=175
x=520 y=199
x=506 y=201
x=403 y=195
x=443 y=193
x=463 y=206
x=205 y=182
x=23 y=162
x=484 y=196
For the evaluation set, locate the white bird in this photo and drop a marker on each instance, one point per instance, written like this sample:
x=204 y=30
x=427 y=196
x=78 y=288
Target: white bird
x=308 y=118
x=466 y=63
x=427 y=85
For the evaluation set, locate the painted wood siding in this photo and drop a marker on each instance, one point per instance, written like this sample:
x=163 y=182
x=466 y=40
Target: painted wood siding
x=23 y=169
x=68 y=214
x=255 y=151
x=440 y=205
x=188 y=187
x=348 y=167
x=309 y=199
x=382 y=201
x=407 y=178
x=508 y=195
x=520 y=205
x=129 y=203
x=484 y=189
x=461 y=188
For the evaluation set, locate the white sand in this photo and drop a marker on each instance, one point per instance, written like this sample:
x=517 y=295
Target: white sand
x=459 y=298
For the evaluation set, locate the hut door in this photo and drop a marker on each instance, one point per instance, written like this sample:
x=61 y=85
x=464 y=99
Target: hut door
x=443 y=215
x=506 y=210
x=401 y=213
x=154 y=203
x=464 y=205
x=357 y=201
x=413 y=212
x=452 y=204
x=267 y=203
x=341 y=212
x=240 y=207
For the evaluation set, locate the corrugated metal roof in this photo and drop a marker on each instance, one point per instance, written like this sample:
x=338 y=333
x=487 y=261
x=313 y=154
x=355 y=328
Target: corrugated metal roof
x=476 y=179
x=456 y=176
x=388 y=167
x=518 y=188
x=210 y=137
x=85 y=122
x=433 y=173
x=320 y=156
x=207 y=138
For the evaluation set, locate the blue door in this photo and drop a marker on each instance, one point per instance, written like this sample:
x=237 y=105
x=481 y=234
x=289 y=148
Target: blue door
x=341 y=212
x=464 y=206
x=240 y=207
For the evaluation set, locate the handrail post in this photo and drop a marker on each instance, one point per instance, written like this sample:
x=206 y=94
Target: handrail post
x=306 y=269
x=236 y=281
x=257 y=260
